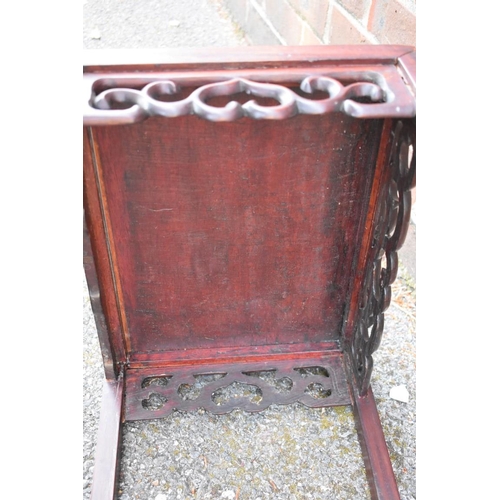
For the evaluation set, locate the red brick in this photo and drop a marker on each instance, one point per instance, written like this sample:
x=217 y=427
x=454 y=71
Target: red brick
x=286 y=21
x=342 y=31
x=392 y=22
x=358 y=8
x=315 y=12
x=257 y=31
x=308 y=36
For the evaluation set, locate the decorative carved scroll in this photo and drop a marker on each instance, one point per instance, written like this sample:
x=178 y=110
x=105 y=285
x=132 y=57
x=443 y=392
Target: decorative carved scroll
x=148 y=101
x=222 y=388
x=392 y=219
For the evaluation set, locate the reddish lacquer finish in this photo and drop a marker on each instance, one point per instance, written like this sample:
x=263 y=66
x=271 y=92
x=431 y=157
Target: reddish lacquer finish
x=243 y=211
x=232 y=242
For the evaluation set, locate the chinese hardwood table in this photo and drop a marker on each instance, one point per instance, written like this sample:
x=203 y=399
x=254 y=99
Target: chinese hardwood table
x=243 y=212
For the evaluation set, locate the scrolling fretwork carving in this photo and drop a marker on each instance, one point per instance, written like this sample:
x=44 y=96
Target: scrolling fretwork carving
x=392 y=218
x=147 y=101
x=222 y=388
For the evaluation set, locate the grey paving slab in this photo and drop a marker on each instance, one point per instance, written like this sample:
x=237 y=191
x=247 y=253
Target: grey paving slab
x=134 y=24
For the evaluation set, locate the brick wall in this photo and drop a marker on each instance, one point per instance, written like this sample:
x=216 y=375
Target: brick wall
x=331 y=22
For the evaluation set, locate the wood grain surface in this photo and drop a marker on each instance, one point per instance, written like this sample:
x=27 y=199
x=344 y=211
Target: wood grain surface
x=236 y=234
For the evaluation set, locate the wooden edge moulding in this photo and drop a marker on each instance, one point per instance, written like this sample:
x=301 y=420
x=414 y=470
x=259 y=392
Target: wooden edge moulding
x=243 y=213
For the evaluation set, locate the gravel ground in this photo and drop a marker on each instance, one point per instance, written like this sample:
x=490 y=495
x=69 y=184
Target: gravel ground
x=286 y=452
x=289 y=452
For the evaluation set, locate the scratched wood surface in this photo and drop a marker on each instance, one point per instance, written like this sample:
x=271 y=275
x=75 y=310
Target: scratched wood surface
x=235 y=234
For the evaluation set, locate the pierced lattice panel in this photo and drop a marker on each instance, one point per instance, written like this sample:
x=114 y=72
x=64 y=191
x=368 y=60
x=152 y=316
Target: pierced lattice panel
x=314 y=382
